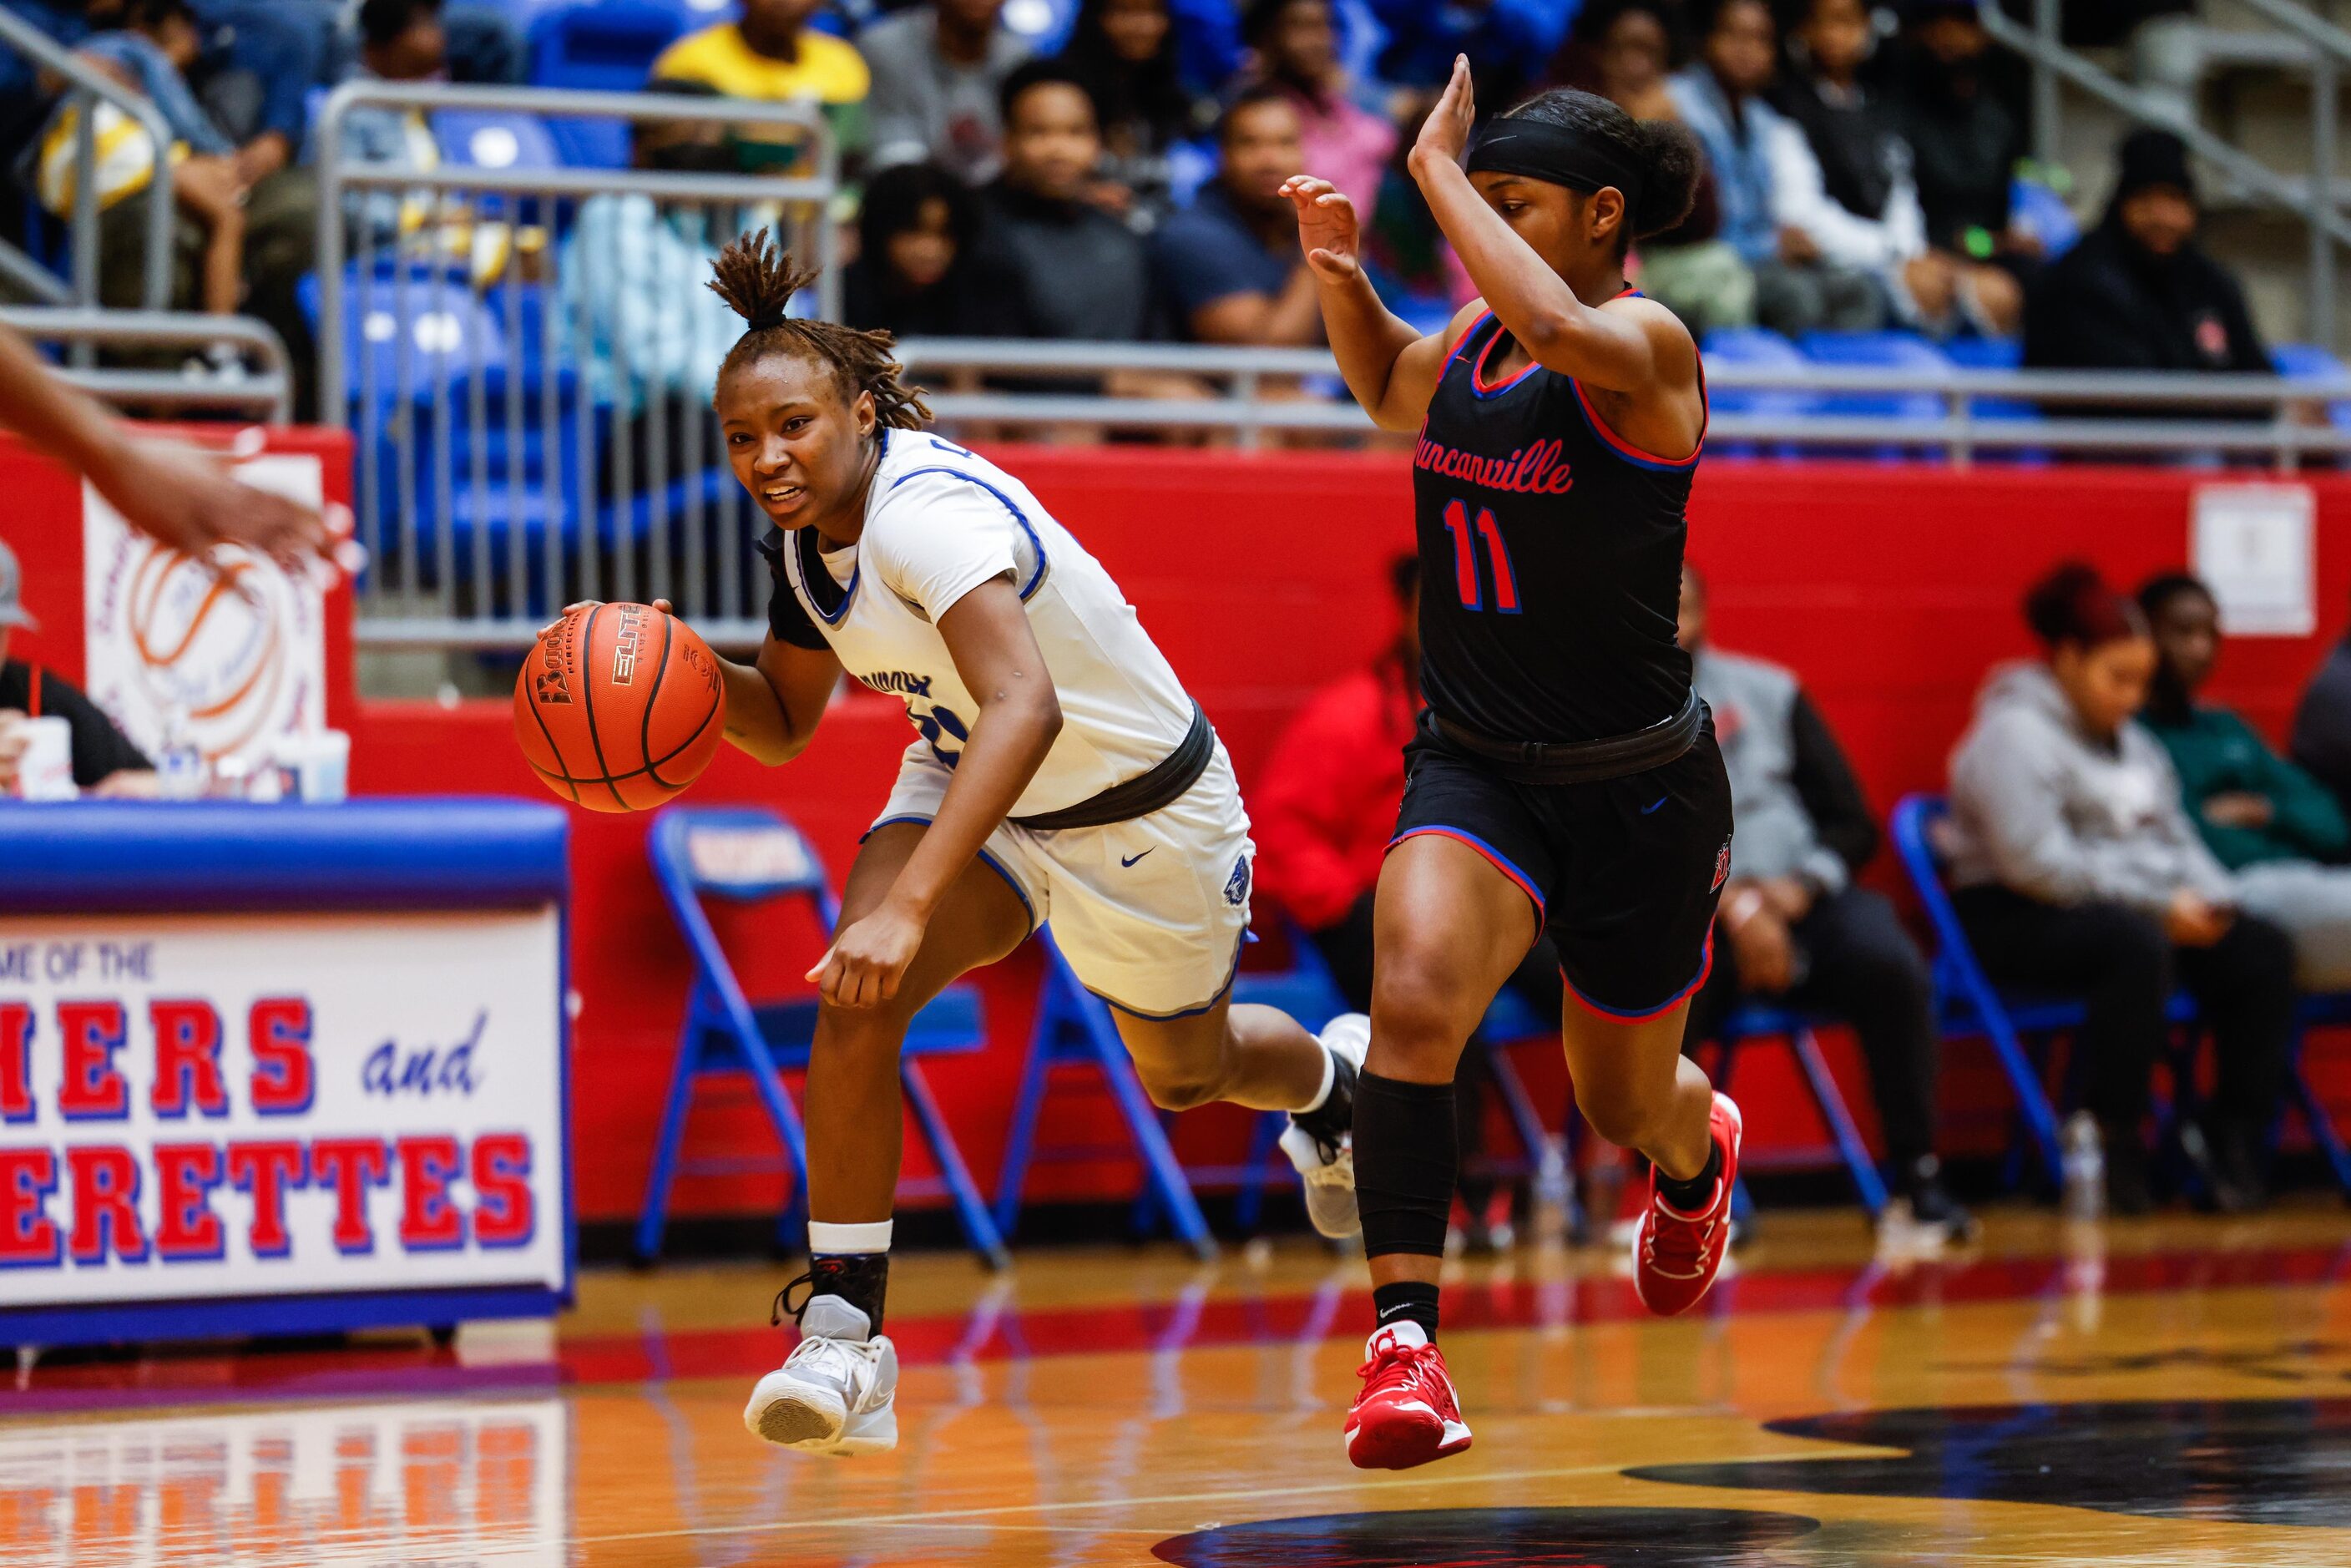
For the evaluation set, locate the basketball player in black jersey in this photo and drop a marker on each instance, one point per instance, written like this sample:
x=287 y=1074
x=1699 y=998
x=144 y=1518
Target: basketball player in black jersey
x=1565 y=775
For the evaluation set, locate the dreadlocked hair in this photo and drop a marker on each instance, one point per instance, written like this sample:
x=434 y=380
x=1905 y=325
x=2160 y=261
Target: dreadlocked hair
x=758 y=282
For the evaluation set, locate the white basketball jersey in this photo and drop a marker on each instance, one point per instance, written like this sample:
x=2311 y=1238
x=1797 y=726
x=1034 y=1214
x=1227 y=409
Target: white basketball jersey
x=940 y=521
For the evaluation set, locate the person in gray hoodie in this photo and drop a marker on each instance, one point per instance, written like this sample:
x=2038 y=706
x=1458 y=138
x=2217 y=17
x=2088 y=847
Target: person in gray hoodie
x=2075 y=870
x=1792 y=924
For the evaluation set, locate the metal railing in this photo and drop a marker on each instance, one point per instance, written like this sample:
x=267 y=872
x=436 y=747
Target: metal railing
x=86 y=88
x=264 y=393
x=539 y=429
x=2326 y=52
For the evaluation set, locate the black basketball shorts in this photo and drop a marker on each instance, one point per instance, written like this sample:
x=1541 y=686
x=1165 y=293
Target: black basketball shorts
x=1623 y=873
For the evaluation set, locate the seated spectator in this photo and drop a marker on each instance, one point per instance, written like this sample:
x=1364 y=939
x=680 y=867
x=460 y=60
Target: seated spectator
x=1296 y=46
x=1847 y=183
x=1124 y=53
x=2267 y=821
x=2320 y=743
x=1324 y=813
x=633 y=271
x=773 y=55
x=1080 y=273
x=1505 y=40
x=918 y=273
x=938 y=71
x=2136 y=293
x=1792 y=925
x=1797 y=287
x=1229 y=265
x=1965 y=131
x=104 y=760
x=1626 y=51
x=2077 y=872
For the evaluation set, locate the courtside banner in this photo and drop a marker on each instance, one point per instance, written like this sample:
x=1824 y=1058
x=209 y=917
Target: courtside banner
x=224 y=1105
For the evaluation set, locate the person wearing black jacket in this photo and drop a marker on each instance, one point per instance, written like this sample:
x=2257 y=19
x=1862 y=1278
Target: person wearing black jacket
x=2136 y=293
x=1794 y=927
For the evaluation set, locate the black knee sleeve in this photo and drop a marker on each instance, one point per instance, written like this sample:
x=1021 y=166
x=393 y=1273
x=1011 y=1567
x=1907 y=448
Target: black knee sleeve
x=1407 y=1151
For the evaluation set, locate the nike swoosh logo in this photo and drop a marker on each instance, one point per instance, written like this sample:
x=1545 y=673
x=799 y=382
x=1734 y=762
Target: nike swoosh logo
x=1128 y=861
x=1652 y=805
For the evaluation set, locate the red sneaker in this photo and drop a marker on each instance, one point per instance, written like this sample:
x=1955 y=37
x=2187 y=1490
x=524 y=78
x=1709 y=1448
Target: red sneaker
x=1675 y=1255
x=1407 y=1414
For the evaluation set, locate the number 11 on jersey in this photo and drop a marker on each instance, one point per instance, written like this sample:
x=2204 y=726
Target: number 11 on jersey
x=1465 y=558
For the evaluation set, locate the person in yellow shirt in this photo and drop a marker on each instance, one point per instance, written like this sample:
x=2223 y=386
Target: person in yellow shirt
x=772 y=55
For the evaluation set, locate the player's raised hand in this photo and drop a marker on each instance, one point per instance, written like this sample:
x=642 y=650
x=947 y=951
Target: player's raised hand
x=868 y=959
x=1444 y=134
x=1328 y=230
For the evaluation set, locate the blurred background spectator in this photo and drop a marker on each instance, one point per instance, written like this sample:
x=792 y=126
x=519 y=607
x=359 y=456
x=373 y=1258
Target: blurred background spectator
x=2136 y=293
x=919 y=272
x=1296 y=48
x=1961 y=109
x=1794 y=926
x=938 y=73
x=2267 y=821
x=771 y=54
x=104 y=760
x=1229 y=265
x=2077 y=872
x=1079 y=272
x=1124 y=53
x=1797 y=287
x=2320 y=742
x=1507 y=42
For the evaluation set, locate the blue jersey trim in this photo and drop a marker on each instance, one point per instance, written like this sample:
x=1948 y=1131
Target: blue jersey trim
x=1222 y=992
x=1036 y=577
x=997 y=866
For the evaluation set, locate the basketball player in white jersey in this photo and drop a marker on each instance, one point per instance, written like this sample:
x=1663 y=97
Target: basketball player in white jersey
x=1059 y=773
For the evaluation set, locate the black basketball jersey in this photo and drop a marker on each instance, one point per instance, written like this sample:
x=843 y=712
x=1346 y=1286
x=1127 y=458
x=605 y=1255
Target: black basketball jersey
x=1551 y=558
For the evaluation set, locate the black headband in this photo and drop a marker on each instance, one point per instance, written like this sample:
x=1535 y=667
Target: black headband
x=1555 y=154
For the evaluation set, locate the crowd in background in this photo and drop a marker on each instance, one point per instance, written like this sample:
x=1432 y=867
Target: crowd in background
x=1861 y=162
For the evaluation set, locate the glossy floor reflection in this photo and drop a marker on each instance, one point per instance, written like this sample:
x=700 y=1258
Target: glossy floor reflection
x=2176 y=1391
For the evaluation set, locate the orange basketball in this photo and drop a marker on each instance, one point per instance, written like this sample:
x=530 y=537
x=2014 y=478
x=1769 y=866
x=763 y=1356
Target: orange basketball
x=620 y=707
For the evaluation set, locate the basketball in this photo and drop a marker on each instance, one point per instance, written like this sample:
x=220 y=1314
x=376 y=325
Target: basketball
x=620 y=707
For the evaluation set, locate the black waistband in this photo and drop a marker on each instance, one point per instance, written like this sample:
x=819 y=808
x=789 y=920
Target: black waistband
x=1162 y=787
x=1582 y=761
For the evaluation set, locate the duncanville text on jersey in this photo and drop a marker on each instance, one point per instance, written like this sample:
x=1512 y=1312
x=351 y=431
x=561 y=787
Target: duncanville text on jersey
x=1537 y=470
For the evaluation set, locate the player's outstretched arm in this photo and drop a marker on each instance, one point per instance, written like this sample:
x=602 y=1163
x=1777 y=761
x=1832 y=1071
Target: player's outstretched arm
x=1625 y=351
x=775 y=703
x=170 y=492
x=1392 y=369
x=988 y=635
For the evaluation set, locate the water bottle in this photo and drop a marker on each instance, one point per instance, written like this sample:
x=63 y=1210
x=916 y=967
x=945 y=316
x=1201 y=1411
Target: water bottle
x=2085 y=1164
x=179 y=771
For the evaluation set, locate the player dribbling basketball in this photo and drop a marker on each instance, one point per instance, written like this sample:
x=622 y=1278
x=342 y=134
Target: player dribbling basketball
x=1059 y=773
x=1565 y=775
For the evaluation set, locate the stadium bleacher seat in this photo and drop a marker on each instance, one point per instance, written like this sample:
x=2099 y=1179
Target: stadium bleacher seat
x=602 y=46
x=1755 y=346
x=1877 y=351
x=2042 y=213
x=494 y=138
x=2311 y=360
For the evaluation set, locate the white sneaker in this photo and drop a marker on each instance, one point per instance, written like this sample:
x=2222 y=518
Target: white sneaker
x=1329 y=1165
x=834 y=1393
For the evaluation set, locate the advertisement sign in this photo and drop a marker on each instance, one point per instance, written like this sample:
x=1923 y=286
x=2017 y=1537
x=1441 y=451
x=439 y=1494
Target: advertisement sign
x=208 y=1106
x=2255 y=546
x=429 y=1481
x=229 y=650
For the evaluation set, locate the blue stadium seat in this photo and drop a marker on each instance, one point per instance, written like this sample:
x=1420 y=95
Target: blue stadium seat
x=2312 y=360
x=1755 y=346
x=2042 y=213
x=1991 y=354
x=494 y=138
x=601 y=45
x=1877 y=351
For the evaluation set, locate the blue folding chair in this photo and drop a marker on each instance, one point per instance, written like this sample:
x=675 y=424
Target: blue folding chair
x=1074 y=1029
x=2319 y=1012
x=1756 y=1021
x=751 y=854
x=1307 y=992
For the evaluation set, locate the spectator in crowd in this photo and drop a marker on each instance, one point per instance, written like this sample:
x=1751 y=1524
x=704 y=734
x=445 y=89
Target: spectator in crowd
x=1847 y=183
x=1082 y=273
x=1624 y=51
x=258 y=62
x=1505 y=40
x=1325 y=813
x=1229 y=265
x=1797 y=287
x=938 y=73
x=2267 y=821
x=1965 y=131
x=104 y=760
x=772 y=55
x=2320 y=743
x=634 y=272
x=2076 y=871
x=918 y=273
x=2136 y=293
x=1296 y=45
x=1792 y=925
x=1124 y=53
x=400 y=41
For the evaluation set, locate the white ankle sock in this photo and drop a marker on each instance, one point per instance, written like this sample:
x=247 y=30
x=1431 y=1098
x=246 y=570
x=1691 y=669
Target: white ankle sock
x=844 y=1240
